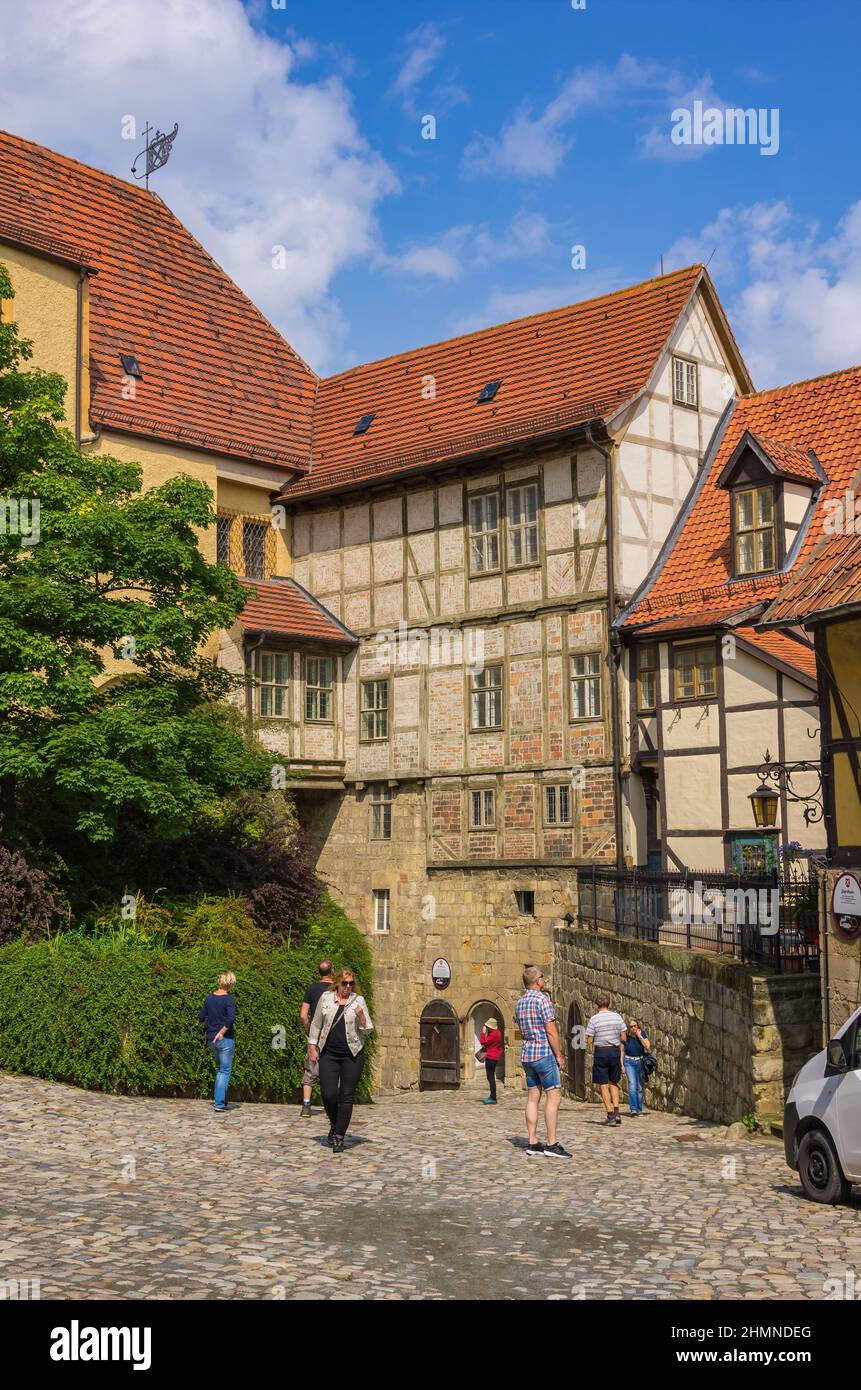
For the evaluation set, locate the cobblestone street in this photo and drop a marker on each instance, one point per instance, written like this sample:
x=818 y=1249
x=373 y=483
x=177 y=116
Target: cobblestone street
x=107 y=1197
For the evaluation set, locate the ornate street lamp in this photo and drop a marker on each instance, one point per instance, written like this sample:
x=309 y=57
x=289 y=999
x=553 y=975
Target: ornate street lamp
x=776 y=779
x=764 y=802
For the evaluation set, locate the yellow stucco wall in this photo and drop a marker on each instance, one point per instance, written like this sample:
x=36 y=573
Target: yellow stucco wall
x=45 y=309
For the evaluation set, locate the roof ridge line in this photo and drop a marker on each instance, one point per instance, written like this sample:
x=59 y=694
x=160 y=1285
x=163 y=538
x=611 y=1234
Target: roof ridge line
x=509 y=323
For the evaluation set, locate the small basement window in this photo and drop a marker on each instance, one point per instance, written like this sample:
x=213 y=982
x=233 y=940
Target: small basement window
x=525 y=901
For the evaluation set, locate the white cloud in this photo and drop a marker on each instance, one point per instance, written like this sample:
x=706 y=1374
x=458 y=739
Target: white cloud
x=655 y=143
x=424 y=47
x=794 y=295
x=261 y=159
x=469 y=247
x=534 y=145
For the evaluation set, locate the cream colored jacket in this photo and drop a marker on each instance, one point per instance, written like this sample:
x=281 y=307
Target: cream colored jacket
x=324 y=1014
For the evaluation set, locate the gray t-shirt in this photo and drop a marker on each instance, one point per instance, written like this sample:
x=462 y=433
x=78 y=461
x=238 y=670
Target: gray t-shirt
x=606 y=1027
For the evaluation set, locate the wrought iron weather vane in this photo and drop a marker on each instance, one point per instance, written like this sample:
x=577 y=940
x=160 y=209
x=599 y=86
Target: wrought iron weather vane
x=156 y=152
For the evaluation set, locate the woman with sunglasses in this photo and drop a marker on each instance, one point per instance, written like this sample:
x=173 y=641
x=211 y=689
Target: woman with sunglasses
x=336 y=1040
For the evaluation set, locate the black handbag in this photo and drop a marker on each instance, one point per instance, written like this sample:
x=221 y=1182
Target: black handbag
x=650 y=1065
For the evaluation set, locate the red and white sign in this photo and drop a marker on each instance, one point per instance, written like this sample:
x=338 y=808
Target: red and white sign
x=846 y=896
x=441 y=973
x=846 y=905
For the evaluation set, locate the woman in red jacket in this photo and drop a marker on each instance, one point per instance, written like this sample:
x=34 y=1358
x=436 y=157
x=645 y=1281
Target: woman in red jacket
x=491 y=1040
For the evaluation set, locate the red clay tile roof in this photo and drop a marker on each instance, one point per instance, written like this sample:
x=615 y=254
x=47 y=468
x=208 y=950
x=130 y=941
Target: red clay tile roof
x=791 y=460
x=558 y=369
x=216 y=374
x=282 y=606
x=830 y=579
x=823 y=414
x=781 y=648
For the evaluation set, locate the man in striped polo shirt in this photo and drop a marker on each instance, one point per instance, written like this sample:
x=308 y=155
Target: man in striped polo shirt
x=606 y=1032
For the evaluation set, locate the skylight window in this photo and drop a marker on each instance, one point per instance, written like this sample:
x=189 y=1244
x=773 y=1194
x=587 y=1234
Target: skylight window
x=364 y=425
x=131 y=366
x=488 y=392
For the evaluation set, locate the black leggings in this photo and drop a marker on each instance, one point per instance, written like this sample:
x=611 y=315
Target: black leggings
x=339 y=1077
x=490 y=1068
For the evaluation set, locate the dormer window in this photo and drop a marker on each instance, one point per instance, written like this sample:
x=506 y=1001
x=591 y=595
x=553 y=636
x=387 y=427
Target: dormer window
x=773 y=487
x=753 y=517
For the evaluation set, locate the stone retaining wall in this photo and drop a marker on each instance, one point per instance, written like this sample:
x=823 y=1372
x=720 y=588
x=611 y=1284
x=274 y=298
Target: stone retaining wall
x=729 y=1038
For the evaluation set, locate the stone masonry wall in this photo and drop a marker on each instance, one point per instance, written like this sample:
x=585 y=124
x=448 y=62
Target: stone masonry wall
x=728 y=1039
x=844 y=966
x=469 y=916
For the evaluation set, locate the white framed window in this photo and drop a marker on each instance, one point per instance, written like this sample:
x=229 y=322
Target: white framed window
x=482 y=808
x=319 y=682
x=684 y=382
x=484 y=532
x=753 y=516
x=382 y=919
x=522 y=511
x=273 y=674
x=486 y=697
x=381 y=813
x=647 y=677
x=557 y=804
x=375 y=711
x=586 y=686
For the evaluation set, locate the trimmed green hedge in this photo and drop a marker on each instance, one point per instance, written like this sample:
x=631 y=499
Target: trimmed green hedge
x=115 y=1015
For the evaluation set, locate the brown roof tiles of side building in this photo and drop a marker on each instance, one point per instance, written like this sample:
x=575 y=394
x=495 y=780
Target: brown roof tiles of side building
x=215 y=373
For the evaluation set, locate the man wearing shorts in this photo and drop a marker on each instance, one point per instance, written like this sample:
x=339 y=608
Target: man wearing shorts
x=606 y=1031
x=542 y=1062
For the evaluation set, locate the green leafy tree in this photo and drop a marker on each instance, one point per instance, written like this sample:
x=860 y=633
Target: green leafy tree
x=93 y=569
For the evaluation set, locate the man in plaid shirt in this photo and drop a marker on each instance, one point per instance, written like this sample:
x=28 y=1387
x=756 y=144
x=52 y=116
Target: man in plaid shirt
x=542 y=1062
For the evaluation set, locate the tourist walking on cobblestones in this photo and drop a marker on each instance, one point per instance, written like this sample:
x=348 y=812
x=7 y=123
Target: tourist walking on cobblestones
x=490 y=1039
x=606 y=1032
x=306 y=1013
x=636 y=1046
x=337 y=1041
x=542 y=1062
x=219 y=1015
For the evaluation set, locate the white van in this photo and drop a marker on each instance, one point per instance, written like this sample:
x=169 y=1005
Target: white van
x=822 y=1118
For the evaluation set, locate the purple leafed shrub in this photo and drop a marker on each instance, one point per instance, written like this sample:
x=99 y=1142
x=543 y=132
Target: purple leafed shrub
x=30 y=905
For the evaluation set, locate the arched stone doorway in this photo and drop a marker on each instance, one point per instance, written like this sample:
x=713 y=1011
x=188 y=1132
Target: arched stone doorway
x=576 y=1055
x=475 y=1021
x=439 y=1047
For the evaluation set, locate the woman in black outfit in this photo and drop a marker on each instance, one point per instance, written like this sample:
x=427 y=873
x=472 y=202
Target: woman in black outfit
x=337 y=1038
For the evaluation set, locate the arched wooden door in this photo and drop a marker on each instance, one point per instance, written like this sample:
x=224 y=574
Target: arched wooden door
x=439 y=1055
x=575 y=1051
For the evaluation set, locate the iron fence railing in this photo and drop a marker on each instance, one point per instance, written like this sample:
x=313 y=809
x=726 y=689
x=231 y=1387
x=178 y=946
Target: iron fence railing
x=769 y=919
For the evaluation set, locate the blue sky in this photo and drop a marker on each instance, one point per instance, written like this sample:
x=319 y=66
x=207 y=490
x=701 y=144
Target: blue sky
x=301 y=128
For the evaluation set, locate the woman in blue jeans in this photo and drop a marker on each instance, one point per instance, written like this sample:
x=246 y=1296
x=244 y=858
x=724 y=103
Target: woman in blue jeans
x=636 y=1046
x=219 y=1014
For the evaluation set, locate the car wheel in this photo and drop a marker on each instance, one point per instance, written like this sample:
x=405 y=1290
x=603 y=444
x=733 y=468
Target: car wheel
x=819 y=1169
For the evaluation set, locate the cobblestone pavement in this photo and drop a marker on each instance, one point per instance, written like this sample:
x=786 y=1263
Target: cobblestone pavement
x=115 y=1197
